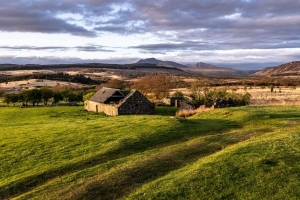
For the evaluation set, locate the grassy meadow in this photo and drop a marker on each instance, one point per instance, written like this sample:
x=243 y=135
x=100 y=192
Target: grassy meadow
x=68 y=153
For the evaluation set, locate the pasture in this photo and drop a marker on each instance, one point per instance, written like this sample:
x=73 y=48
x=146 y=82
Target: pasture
x=68 y=153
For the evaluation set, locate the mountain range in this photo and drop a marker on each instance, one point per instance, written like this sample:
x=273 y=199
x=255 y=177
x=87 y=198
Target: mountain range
x=153 y=65
x=288 y=69
x=200 y=68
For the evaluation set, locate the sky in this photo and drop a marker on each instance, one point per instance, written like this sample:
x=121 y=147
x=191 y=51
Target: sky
x=242 y=34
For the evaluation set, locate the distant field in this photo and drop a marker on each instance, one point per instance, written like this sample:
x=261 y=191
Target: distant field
x=262 y=96
x=16 y=86
x=68 y=153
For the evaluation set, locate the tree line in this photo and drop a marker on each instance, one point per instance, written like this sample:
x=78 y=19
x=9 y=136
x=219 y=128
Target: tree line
x=43 y=95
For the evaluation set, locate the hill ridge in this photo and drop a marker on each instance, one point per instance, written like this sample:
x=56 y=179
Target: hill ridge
x=287 y=69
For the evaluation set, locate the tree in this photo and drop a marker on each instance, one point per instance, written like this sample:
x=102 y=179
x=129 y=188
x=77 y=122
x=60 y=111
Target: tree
x=115 y=83
x=199 y=91
x=73 y=97
x=88 y=96
x=70 y=96
x=14 y=98
x=11 y=98
x=7 y=99
x=2 y=92
x=66 y=93
x=47 y=94
x=158 y=85
x=57 y=97
x=34 y=96
x=24 y=96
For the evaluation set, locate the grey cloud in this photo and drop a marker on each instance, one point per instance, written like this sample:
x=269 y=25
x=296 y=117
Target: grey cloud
x=93 y=48
x=257 y=19
x=181 y=26
x=23 y=16
x=63 y=60
x=200 y=46
x=172 y=47
x=32 y=48
x=222 y=25
x=86 y=48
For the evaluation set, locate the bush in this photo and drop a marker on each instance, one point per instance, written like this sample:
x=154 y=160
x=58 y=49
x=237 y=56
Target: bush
x=178 y=94
x=210 y=97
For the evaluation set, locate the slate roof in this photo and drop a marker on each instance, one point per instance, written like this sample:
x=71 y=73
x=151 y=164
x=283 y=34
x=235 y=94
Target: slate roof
x=127 y=97
x=105 y=93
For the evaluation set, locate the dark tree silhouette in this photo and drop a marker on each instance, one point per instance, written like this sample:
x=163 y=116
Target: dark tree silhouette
x=47 y=94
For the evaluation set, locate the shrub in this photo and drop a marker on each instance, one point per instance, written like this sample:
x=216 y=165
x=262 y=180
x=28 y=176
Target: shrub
x=210 y=97
x=88 y=96
x=178 y=94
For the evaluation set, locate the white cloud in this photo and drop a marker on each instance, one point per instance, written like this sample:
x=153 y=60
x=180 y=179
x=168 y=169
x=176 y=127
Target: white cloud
x=187 y=31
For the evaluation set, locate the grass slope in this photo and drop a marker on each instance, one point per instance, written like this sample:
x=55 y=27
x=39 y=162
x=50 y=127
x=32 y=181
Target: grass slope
x=68 y=153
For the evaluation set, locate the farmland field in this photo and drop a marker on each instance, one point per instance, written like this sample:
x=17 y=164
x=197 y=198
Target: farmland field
x=68 y=153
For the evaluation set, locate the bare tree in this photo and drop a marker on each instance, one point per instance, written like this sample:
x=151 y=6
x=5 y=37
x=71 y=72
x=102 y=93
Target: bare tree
x=158 y=85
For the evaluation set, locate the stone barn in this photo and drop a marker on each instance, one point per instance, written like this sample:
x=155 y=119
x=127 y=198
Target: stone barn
x=113 y=102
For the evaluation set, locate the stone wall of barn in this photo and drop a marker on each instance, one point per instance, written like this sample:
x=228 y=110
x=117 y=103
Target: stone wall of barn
x=136 y=103
x=171 y=100
x=183 y=105
x=100 y=107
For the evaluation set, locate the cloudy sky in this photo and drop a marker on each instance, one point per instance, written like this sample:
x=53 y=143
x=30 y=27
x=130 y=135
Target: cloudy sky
x=245 y=34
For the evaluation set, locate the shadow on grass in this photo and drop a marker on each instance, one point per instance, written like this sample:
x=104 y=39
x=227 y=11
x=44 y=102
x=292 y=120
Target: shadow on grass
x=166 y=110
x=121 y=182
x=182 y=131
x=285 y=116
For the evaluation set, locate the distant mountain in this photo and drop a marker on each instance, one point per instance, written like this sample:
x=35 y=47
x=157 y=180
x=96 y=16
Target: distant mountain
x=203 y=65
x=211 y=70
x=150 y=61
x=288 y=69
x=162 y=63
x=199 y=68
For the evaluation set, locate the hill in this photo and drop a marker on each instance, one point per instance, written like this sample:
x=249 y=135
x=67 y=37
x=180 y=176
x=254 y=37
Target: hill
x=202 y=65
x=211 y=70
x=68 y=153
x=162 y=63
x=143 y=66
x=153 y=61
x=288 y=69
x=199 y=68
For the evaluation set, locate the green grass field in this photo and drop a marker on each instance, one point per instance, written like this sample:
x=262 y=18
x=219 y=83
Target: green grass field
x=68 y=153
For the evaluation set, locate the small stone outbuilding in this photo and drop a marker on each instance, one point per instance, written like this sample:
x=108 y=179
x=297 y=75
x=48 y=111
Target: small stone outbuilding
x=113 y=102
x=178 y=102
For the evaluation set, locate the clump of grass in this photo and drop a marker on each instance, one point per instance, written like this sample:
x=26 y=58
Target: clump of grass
x=188 y=113
x=185 y=113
